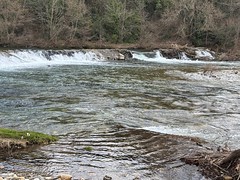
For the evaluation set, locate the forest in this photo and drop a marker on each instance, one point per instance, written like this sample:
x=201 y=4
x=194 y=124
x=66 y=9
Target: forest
x=144 y=23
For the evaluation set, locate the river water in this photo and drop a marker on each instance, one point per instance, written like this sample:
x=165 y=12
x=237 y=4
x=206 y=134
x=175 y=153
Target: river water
x=114 y=118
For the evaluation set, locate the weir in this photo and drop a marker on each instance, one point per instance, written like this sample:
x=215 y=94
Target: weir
x=15 y=59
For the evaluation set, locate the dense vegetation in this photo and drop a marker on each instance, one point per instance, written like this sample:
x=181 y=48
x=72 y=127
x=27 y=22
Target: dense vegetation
x=71 y=23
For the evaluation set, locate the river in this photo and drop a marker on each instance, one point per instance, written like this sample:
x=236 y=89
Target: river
x=114 y=117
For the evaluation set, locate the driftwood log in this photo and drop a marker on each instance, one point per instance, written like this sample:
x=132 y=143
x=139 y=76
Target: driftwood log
x=217 y=165
x=234 y=156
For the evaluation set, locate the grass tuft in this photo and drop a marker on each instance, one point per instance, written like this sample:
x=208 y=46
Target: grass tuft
x=29 y=136
x=88 y=148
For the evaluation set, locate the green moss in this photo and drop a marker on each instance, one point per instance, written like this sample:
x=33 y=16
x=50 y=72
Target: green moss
x=88 y=148
x=30 y=136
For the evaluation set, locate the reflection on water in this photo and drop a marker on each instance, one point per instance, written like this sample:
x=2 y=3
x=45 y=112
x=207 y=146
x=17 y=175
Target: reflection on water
x=122 y=112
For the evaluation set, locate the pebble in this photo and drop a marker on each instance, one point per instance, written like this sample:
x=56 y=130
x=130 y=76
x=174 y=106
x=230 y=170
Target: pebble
x=12 y=176
x=227 y=178
x=49 y=178
x=65 y=177
x=39 y=178
x=136 y=178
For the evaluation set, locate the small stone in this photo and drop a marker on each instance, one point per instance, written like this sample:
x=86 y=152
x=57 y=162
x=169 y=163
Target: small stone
x=20 y=178
x=65 y=177
x=136 y=178
x=120 y=56
x=227 y=178
x=40 y=178
x=1 y=167
x=14 y=177
x=8 y=175
x=49 y=178
x=107 y=178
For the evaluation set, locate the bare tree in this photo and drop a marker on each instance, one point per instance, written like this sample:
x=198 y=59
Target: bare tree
x=192 y=19
x=76 y=18
x=55 y=13
x=48 y=15
x=11 y=17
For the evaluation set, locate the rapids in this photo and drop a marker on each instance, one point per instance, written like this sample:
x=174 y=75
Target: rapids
x=123 y=111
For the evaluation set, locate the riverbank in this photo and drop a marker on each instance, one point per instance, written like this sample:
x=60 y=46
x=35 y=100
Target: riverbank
x=12 y=140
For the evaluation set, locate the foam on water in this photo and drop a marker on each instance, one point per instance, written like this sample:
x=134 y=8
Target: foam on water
x=204 y=54
x=15 y=59
x=219 y=76
x=157 y=57
x=160 y=59
x=19 y=59
x=180 y=131
x=183 y=59
x=183 y=56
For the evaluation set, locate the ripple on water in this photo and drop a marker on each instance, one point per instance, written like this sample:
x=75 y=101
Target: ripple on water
x=84 y=105
x=119 y=153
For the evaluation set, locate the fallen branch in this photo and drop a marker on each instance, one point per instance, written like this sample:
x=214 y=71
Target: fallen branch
x=217 y=165
x=234 y=156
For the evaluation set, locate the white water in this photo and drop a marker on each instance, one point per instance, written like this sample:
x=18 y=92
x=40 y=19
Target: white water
x=204 y=54
x=19 y=59
x=183 y=56
x=183 y=59
x=15 y=59
x=156 y=58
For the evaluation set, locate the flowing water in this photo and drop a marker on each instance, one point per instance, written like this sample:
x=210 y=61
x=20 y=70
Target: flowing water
x=114 y=118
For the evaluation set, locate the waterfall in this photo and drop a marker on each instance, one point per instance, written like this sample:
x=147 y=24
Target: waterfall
x=35 y=58
x=17 y=59
x=204 y=54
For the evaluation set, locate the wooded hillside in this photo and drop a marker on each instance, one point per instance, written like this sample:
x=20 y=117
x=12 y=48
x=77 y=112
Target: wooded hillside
x=70 y=23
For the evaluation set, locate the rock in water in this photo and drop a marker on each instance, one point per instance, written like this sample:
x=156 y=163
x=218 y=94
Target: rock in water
x=107 y=178
x=65 y=177
x=120 y=56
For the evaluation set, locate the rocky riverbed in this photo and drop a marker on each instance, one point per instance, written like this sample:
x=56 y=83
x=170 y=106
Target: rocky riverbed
x=13 y=176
